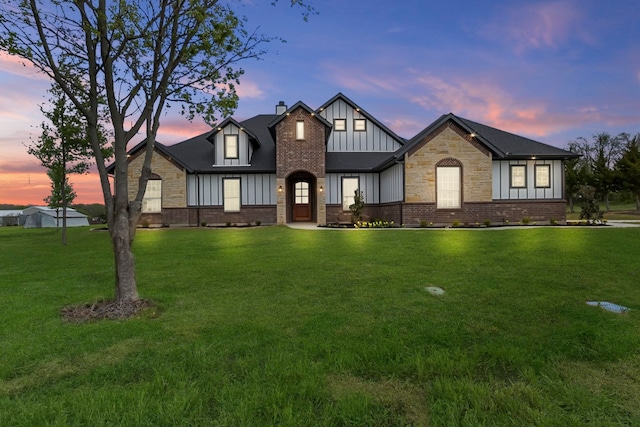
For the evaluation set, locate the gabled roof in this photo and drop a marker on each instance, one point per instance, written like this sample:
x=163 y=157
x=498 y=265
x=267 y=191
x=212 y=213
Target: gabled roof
x=231 y=120
x=299 y=104
x=341 y=96
x=502 y=145
x=163 y=149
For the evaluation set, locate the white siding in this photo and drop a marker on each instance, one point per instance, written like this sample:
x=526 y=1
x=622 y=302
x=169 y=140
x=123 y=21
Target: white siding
x=374 y=139
x=501 y=182
x=369 y=185
x=245 y=149
x=255 y=189
x=392 y=184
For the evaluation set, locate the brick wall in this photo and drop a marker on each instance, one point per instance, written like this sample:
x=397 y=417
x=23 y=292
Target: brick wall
x=300 y=155
x=193 y=216
x=540 y=211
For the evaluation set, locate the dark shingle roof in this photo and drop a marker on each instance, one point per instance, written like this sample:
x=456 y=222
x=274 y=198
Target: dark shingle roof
x=355 y=162
x=503 y=145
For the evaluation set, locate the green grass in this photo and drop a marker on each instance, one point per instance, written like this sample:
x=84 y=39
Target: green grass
x=272 y=326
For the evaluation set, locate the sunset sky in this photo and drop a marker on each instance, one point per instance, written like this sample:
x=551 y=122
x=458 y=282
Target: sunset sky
x=548 y=70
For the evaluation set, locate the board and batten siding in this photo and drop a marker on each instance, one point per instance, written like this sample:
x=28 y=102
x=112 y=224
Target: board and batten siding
x=373 y=139
x=392 y=184
x=369 y=185
x=245 y=149
x=502 y=183
x=255 y=189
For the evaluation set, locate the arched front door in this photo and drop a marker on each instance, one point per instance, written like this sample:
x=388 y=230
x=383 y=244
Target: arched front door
x=301 y=201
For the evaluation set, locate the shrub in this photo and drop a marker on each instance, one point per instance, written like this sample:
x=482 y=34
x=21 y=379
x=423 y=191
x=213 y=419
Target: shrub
x=456 y=223
x=203 y=223
x=526 y=220
x=357 y=207
x=423 y=224
x=258 y=222
x=145 y=223
x=487 y=222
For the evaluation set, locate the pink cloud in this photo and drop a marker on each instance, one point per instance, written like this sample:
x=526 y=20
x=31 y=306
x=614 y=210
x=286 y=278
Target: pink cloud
x=533 y=26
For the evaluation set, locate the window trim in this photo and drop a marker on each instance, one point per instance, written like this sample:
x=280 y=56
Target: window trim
x=548 y=175
x=344 y=125
x=345 y=208
x=439 y=192
x=300 y=130
x=228 y=138
x=524 y=176
x=224 y=195
x=146 y=199
x=355 y=127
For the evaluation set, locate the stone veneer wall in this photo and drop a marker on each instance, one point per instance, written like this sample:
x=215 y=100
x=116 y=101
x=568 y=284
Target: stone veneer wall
x=174 y=179
x=448 y=142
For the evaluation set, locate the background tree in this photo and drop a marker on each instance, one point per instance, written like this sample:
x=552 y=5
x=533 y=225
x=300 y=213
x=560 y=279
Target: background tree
x=600 y=154
x=63 y=148
x=628 y=167
x=139 y=56
x=577 y=173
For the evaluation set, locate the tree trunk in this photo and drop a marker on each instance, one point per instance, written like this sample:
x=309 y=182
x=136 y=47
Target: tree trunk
x=637 y=202
x=571 y=208
x=126 y=289
x=606 y=202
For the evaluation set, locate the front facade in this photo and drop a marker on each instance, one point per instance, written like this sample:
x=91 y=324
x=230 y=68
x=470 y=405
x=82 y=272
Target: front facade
x=302 y=164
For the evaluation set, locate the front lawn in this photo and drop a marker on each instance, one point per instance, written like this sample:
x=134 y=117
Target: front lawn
x=273 y=326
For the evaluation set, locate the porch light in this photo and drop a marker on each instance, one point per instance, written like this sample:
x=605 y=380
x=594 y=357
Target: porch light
x=280 y=189
x=321 y=189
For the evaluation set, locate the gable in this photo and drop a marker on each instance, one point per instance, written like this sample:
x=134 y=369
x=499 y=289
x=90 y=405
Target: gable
x=354 y=130
x=450 y=128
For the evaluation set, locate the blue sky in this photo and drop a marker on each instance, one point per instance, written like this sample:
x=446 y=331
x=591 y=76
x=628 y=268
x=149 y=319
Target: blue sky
x=548 y=70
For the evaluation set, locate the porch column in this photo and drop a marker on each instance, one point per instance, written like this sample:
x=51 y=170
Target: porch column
x=321 y=205
x=281 y=201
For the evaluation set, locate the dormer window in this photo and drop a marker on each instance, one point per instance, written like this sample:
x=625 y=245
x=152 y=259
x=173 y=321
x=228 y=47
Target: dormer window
x=359 y=125
x=231 y=146
x=300 y=129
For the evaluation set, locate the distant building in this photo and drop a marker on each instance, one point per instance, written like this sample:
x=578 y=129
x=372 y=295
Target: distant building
x=10 y=217
x=43 y=216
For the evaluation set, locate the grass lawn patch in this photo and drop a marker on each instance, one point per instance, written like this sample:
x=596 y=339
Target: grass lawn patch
x=274 y=326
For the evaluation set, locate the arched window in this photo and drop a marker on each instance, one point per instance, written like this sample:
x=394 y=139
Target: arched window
x=449 y=184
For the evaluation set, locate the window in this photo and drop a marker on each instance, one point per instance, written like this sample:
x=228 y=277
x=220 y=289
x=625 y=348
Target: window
x=231 y=146
x=339 y=124
x=152 y=200
x=448 y=187
x=231 y=194
x=543 y=176
x=518 y=176
x=302 y=193
x=300 y=129
x=359 y=125
x=349 y=187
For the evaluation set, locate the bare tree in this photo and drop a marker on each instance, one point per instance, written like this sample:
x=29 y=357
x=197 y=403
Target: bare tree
x=138 y=57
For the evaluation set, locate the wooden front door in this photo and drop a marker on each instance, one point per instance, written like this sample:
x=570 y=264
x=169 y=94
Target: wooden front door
x=301 y=201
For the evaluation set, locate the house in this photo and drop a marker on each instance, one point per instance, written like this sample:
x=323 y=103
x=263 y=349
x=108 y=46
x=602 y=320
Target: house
x=44 y=216
x=304 y=164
